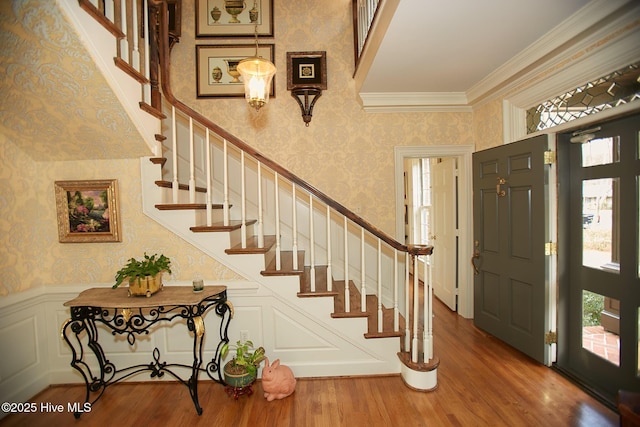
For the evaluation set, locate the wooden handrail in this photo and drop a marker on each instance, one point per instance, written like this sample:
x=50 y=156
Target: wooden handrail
x=163 y=45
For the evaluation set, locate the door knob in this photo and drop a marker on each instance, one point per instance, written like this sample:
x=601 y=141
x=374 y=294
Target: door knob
x=499 y=191
x=474 y=257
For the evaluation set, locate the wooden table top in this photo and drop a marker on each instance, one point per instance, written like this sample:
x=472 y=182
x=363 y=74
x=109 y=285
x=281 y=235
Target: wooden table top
x=118 y=298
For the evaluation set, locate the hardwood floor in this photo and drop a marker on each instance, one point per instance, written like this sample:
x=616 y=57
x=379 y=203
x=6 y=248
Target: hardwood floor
x=481 y=382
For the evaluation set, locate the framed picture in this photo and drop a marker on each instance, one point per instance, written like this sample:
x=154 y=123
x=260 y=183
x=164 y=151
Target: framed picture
x=87 y=211
x=234 y=18
x=306 y=70
x=216 y=74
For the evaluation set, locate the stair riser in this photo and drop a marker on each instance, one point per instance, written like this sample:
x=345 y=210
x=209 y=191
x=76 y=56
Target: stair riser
x=183 y=196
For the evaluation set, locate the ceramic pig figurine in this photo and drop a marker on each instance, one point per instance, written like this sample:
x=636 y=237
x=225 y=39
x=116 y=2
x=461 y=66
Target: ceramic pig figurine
x=278 y=381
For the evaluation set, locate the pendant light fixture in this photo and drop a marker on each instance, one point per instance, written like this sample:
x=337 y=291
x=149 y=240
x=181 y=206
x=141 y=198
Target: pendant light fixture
x=257 y=74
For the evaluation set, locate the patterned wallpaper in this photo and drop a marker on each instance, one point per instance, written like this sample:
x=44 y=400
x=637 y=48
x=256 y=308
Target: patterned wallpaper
x=345 y=152
x=30 y=254
x=55 y=103
x=53 y=96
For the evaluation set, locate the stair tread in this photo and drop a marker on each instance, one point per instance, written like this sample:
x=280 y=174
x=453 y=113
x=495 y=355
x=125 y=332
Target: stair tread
x=252 y=246
x=186 y=206
x=219 y=226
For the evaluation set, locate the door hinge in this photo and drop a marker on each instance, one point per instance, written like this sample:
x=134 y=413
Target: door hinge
x=551 y=248
x=551 y=338
x=549 y=157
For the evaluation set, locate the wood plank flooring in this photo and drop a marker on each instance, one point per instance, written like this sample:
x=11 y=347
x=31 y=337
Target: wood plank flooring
x=481 y=382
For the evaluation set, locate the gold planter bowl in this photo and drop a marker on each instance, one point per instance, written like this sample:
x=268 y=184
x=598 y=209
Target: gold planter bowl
x=145 y=286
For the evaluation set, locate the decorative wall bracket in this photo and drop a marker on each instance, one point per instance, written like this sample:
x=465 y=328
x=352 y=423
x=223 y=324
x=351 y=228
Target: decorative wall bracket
x=306 y=79
x=306 y=100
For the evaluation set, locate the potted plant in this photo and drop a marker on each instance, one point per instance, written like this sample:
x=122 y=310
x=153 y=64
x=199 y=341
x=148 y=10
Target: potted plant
x=144 y=276
x=242 y=370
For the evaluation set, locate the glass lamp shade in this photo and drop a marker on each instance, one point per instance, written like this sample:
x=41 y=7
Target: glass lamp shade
x=257 y=74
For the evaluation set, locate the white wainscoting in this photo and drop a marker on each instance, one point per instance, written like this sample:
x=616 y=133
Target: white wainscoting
x=33 y=355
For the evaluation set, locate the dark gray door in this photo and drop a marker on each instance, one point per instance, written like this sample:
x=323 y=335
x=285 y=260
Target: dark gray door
x=599 y=298
x=509 y=238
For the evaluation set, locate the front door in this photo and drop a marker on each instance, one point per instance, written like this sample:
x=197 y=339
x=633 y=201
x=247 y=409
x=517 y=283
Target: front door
x=599 y=298
x=509 y=213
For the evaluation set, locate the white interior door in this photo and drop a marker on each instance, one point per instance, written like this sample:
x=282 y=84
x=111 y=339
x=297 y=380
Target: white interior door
x=443 y=193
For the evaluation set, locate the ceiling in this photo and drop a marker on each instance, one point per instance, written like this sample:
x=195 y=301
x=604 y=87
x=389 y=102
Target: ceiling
x=450 y=46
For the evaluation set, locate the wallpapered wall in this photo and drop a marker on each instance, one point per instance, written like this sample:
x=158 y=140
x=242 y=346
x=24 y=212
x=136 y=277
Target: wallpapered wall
x=53 y=95
x=345 y=153
x=30 y=254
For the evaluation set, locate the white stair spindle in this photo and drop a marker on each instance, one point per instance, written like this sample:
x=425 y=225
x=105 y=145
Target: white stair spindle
x=135 y=57
x=363 y=274
x=416 y=305
x=174 y=156
x=396 y=312
x=429 y=313
x=124 y=41
x=209 y=167
x=294 y=227
x=347 y=291
x=225 y=183
x=109 y=10
x=312 y=252
x=243 y=204
x=407 y=332
x=192 y=165
x=380 y=313
x=277 y=209
x=260 y=216
x=329 y=271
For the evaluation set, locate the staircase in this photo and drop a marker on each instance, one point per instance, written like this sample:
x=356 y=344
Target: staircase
x=319 y=261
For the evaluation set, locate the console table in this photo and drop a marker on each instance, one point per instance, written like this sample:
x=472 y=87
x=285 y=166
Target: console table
x=132 y=316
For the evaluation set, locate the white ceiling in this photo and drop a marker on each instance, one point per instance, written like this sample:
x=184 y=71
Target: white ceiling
x=448 y=46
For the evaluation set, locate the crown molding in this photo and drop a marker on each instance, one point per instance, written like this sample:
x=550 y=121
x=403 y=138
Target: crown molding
x=561 y=42
x=407 y=102
x=599 y=38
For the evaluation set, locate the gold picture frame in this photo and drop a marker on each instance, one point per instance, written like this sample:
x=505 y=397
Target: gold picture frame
x=216 y=74
x=234 y=18
x=88 y=211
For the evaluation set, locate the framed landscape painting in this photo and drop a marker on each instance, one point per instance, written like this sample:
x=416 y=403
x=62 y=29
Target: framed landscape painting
x=87 y=211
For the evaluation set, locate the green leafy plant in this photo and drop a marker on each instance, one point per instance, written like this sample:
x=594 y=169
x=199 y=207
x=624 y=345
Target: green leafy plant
x=592 y=307
x=244 y=359
x=149 y=266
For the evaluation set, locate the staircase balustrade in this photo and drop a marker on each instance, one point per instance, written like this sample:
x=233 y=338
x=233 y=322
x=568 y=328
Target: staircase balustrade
x=290 y=216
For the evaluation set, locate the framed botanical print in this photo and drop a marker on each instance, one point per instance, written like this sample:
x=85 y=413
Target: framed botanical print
x=216 y=73
x=234 y=18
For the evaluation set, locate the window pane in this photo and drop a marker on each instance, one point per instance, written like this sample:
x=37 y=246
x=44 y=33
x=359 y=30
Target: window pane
x=599 y=241
x=601 y=151
x=601 y=326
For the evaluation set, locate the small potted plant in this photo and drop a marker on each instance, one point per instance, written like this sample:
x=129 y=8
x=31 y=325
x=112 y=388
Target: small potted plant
x=144 y=276
x=242 y=370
